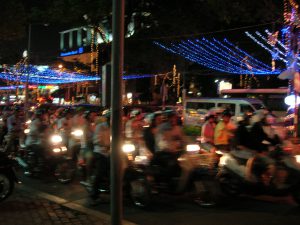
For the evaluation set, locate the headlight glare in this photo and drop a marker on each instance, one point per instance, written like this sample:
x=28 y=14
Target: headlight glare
x=77 y=133
x=128 y=148
x=193 y=148
x=55 y=139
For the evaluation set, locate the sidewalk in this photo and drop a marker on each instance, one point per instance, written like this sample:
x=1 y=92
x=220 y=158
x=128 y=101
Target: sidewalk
x=27 y=208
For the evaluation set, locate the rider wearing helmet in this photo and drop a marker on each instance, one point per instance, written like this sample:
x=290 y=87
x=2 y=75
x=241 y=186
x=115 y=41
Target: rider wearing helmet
x=14 y=123
x=101 y=141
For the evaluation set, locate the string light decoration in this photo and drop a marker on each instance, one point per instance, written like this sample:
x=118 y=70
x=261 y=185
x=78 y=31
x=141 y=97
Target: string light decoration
x=50 y=76
x=218 y=55
x=92 y=46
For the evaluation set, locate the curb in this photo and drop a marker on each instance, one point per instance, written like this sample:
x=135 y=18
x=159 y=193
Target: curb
x=71 y=205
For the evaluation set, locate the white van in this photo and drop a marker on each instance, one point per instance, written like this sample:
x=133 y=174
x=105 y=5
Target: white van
x=196 y=109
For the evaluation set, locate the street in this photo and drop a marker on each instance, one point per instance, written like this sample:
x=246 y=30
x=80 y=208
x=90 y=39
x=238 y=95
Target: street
x=175 y=210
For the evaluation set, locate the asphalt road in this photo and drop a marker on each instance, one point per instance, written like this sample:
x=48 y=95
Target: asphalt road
x=180 y=210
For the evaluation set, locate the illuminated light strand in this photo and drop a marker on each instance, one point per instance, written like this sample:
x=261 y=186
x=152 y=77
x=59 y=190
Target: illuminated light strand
x=238 y=61
x=245 y=53
x=278 y=41
x=222 y=54
x=204 y=54
x=47 y=80
x=205 y=57
x=262 y=45
x=240 y=58
x=12 y=87
x=226 y=62
x=267 y=42
x=254 y=62
x=202 y=62
x=208 y=62
x=281 y=44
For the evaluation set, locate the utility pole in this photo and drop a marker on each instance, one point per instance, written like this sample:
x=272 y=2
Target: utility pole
x=116 y=107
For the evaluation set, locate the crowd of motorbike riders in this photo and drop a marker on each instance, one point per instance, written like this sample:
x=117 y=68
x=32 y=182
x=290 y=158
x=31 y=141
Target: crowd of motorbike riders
x=152 y=133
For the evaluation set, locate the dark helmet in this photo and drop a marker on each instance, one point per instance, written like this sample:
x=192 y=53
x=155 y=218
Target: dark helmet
x=226 y=113
x=39 y=112
x=67 y=111
x=17 y=108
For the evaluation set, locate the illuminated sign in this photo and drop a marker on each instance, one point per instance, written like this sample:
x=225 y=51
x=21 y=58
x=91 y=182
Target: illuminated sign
x=75 y=52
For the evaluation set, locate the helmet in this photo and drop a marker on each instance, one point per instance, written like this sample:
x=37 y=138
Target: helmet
x=17 y=108
x=39 y=112
x=106 y=113
x=134 y=113
x=226 y=113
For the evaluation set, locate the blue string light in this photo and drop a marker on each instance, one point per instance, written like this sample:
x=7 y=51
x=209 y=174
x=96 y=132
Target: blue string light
x=237 y=58
x=247 y=55
x=50 y=76
x=275 y=49
x=262 y=45
x=219 y=56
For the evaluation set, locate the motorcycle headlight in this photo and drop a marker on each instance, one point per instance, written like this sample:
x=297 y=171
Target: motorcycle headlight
x=128 y=148
x=223 y=160
x=56 y=139
x=219 y=152
x=28 y=122
x=26 y=131
x=193 y=148
x=56 y=150
x=77 y=133
x=297 y=158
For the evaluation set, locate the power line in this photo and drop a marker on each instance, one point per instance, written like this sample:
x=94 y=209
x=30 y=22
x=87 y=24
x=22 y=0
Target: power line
x=202 y=33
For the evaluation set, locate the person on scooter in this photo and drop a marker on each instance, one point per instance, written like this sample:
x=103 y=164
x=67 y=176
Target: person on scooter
x=208 y=133
x=149 y=132
x=169 y=142
x=87 y=145
x=78 y=124
x=64 y=125
x=101 y=141
x=37 y=135
x=260 y=168
x=14 y=124
x=224 y=132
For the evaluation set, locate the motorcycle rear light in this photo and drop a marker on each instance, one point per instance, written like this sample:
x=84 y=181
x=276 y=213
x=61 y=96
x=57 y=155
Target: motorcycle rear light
x=56 y=150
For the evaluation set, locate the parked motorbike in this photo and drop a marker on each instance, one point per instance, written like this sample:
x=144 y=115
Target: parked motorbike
x=53 y=159
x=8 y=176
x=283 y=178
x=162 y=174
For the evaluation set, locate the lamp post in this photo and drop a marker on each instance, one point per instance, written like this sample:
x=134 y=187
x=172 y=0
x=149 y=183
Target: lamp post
x=28 y=58
x=28 y=70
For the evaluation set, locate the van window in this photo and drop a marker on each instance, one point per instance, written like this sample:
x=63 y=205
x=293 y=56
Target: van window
x=228 y=106
x=200 y=105
x=246 y=108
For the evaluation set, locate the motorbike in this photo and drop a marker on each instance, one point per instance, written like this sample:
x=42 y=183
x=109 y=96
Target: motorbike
x=235 y=177
x=53 y=159
x=162 y=175
x=8 y=176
